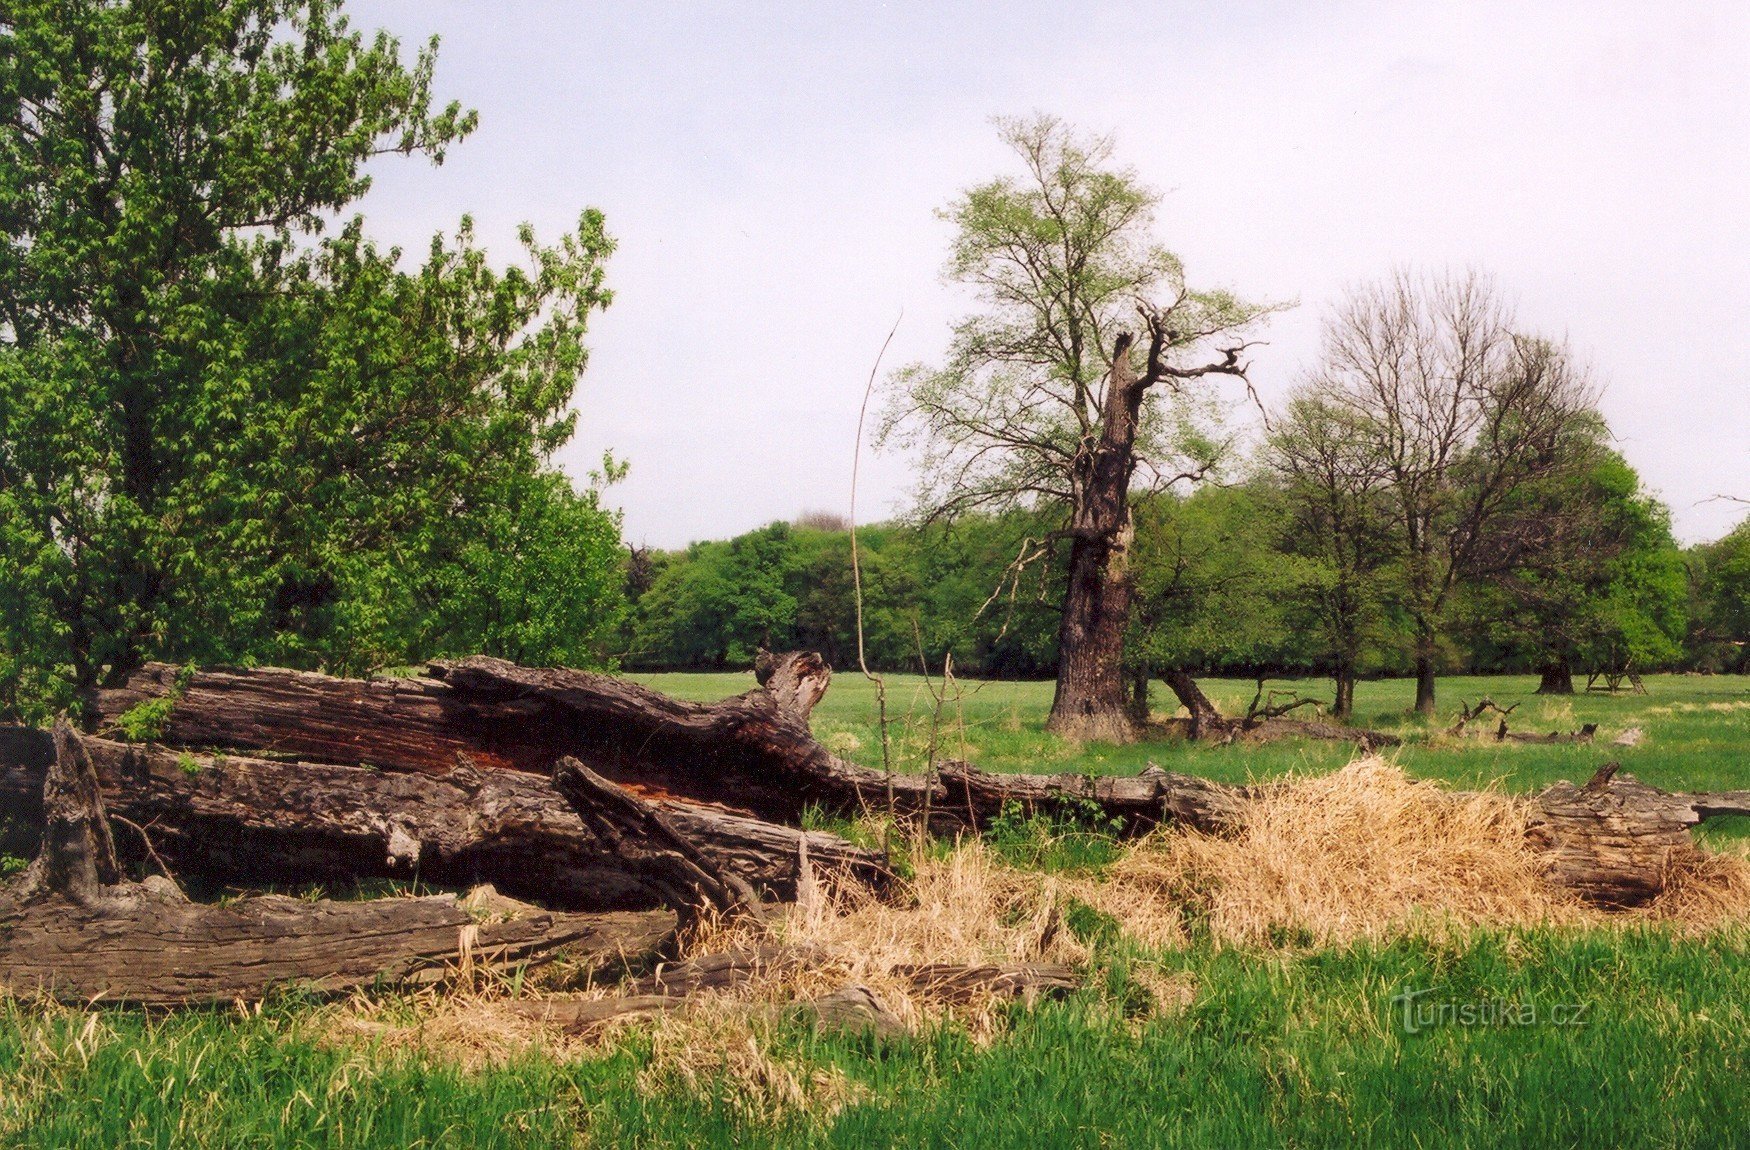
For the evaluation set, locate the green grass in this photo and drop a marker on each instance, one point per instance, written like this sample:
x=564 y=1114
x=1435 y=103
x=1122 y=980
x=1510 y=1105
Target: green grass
x=1277 y=1050
x=1697 y=728
x=1280 y=1046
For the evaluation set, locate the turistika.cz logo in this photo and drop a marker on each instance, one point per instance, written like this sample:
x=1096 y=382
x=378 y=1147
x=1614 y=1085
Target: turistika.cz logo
x=1418 y=1011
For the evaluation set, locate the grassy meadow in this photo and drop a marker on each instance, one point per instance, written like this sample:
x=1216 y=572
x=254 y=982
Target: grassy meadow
x=1211 y=1016
x=1697 y=729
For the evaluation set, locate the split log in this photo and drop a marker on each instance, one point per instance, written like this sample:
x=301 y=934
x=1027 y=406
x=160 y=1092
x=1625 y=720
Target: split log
x=234 y=820
x=684 y=879
x=753 y=752
x=70 y=927
x=1617 y=841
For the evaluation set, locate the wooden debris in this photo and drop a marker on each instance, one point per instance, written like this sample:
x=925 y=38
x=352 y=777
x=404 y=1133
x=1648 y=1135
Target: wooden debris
x=72 y=929
x=234 y=820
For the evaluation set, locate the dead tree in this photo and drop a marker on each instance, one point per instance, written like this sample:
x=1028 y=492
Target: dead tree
x=752 y=753
x=748 y=750
x=237 y=820
x=73 y=928
x=693 y=885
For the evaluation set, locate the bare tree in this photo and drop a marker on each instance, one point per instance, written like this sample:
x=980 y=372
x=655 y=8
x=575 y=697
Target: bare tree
x=1068 y=389
x=1339 y=516
x=1456 y=409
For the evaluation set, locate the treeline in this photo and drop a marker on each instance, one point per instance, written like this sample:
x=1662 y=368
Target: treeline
x=1230 y=579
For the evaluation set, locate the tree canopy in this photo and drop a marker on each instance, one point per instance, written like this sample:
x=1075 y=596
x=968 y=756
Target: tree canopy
x=231 y=426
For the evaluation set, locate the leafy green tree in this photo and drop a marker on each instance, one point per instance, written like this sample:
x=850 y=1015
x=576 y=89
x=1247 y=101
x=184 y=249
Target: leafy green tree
x=1065 y=392
x=224 y=432
x=1581 y=571
x=719 y=603
x=1720 y=577
x=1214 y=594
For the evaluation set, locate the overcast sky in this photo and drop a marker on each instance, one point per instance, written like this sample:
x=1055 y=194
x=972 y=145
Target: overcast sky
x=771 y=173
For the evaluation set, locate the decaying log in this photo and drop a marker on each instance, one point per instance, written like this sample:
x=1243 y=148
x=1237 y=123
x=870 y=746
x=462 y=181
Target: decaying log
x=1261 y=724
x=1617 y=841
x=669 y=865
x=230 y=820
x=70 y=927
x=753 y=752
x=1140 y=801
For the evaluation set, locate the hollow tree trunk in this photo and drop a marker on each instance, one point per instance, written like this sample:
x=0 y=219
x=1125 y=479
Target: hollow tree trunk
x=1089 y=702
x=1557 y=679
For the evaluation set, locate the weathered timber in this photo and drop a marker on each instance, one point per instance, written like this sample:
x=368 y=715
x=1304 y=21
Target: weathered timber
x=753 y=752
x=71 y=929
x=235 y=820
x=1617 y=841
x=1142 y=801
x=144 y=944
x=669 y=864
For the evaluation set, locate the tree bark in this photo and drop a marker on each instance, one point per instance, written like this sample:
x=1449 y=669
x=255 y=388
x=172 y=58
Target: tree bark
x=676 y=870
x=1206 y=717
x=1557 y=679
x=753 y=753
x=1425 y=668
x=70 y=927
x=231 y=820
x=1089 y=701
x=1343 y=702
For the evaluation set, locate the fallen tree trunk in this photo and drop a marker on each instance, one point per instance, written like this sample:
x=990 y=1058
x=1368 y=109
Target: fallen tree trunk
x=753 y=752
x=1206 y=722
x=1141 y=802
x=1616 y=842
x=234 y=820
x=693 y=885
x=71 y=928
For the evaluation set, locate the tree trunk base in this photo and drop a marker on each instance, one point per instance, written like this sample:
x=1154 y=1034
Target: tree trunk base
x=1094 y=727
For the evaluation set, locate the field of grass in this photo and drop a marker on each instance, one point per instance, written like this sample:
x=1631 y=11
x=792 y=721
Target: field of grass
x=1697 y=729
x=1522 y=1035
